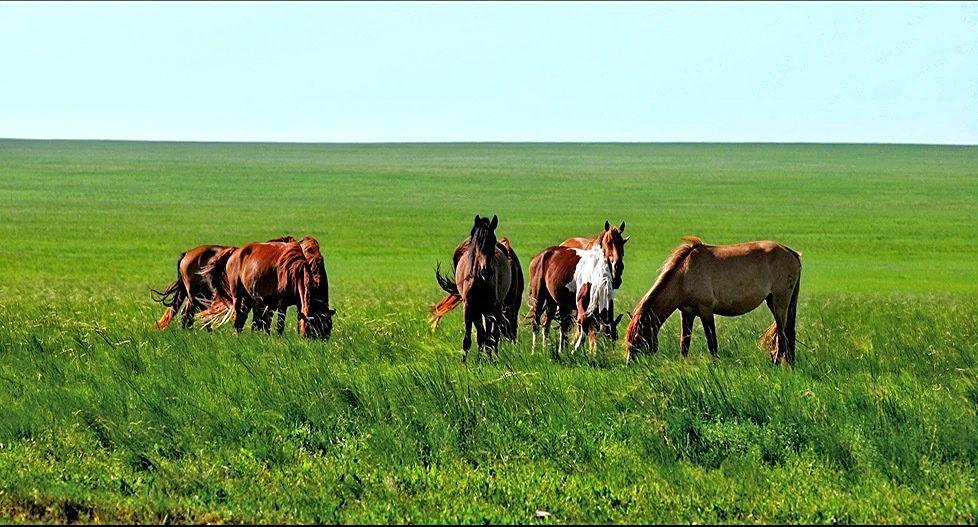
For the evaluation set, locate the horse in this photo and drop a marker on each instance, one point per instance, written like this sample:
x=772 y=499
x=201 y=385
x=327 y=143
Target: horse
x=564 y=280
x=483 y=278
x=512 y=303
x=191 y=286
x=595 y=297
x=611 y=242
x=190 y=290
x=703 y=280
x=320 y=292
x=266 y=274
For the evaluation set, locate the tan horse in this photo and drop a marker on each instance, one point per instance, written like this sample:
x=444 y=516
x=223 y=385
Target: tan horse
x=705 y=280
x=514 y=298
x=482 y=280
x=611 y=243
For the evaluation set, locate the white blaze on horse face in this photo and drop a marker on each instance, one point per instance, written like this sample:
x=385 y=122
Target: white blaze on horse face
x=592 y=268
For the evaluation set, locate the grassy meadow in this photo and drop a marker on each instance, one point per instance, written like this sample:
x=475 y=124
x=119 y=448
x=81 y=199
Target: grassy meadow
x=103 y=419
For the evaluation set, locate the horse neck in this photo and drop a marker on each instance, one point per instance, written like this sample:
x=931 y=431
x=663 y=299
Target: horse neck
x=660 y=302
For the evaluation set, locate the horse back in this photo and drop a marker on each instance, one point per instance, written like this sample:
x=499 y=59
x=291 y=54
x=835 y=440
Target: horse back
x=737 y=278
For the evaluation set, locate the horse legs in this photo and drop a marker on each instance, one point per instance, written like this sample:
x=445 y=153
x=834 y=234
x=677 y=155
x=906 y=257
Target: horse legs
x=189 y=310
x=467 y=336
x=687 y=332
x=779 y=308
x=280 y=321
x=710 y=328
x=566 y=321
x=241 y=309
x=261 y=317
x=480 y=330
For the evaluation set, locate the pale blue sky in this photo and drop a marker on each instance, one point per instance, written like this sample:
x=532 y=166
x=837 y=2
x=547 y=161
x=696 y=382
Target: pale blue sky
x=484 y=72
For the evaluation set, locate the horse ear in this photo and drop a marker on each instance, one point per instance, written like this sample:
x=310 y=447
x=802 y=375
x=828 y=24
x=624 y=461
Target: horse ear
x=607 y=225
x=618 y=319
x=331 y=311
x=621 y=228
x=476 y=220
x=494 y=222
x=629 y=313
x=625 y=240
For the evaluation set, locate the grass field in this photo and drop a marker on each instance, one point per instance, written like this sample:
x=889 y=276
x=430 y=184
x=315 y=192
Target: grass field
x=103 y=419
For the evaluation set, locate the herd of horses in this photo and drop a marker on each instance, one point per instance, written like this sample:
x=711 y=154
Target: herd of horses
x=572 y=283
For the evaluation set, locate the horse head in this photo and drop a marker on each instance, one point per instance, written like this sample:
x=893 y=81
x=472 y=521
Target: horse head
x=613 y=245
x=483 y=245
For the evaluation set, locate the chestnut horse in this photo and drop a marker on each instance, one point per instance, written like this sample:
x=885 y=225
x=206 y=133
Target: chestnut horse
x=705 y=280
x=514 y=298
x=611 y=242
x=266 y=274
x=564 y=281
x=483 y=277
x=263 y=312
x=192 y=287
x=190 y=290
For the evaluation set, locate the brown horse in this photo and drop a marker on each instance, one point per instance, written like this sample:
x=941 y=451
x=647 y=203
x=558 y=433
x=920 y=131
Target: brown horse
x=483 y=277
x=705 y=280
x=191 y=286
x=263 y=312
x=190 y=290
x=514 y=298
x=266 y=274
x=563 y=281
x=611 y=242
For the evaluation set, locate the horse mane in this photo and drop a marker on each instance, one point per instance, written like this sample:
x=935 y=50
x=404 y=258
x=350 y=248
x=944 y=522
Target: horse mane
x=666 y=272
x=480 y=269
x=292 y=266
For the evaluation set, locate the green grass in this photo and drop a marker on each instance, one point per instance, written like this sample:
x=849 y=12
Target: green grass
x=103 y=419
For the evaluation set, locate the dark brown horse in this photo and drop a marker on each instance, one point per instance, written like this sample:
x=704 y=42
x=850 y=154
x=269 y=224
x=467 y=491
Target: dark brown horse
x=514 y=298
x=565 y=281
x=263 y=312
x=703 y=280
x=190 y=290
x=611 y=242
x=268 y=274
x=482 y=280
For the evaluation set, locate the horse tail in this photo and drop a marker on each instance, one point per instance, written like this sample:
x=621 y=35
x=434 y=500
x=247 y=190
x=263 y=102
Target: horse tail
x=769 y=340
x=446 y=282
x=220 y=309
x=442 y=308
x=172 y=298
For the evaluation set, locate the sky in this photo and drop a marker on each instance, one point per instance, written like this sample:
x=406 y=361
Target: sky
x=378 y=72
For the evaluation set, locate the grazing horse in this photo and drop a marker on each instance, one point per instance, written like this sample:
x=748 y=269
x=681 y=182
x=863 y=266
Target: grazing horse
x=564 y=280
x=265 y=274
x=320 y=292
x=483 y=277
x=514 y=298
x=705 y=280
x=595 y=297
x=611 y=242
x=190 y=290
x=191 y=286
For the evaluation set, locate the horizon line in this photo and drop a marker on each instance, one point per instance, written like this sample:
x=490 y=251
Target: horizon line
x=477 y=142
